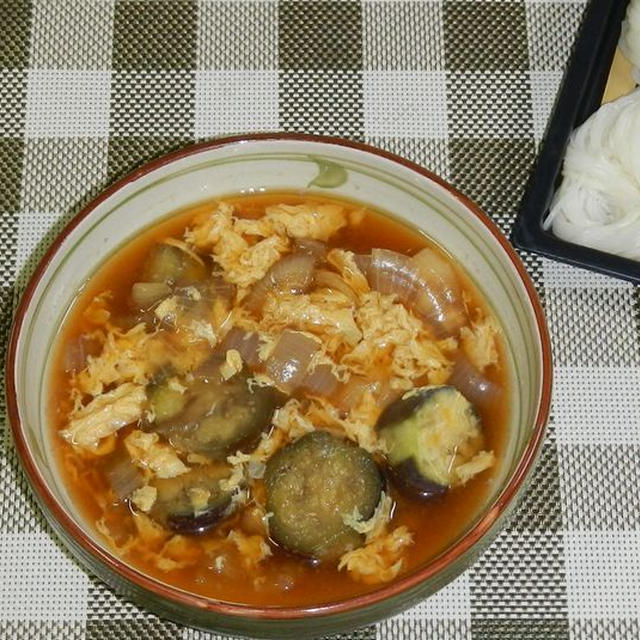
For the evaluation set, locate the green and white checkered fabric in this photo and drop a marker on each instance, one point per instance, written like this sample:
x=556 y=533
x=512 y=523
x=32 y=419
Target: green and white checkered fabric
x=90 y=89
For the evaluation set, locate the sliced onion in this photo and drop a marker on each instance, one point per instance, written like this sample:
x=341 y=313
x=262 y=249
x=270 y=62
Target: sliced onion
x=77 y=350
x=290 y=359
x=393 y=273
x=184 y=247
x=351 y=392
x=124 y=477
x=321 y=381
x=210 y=368
x=219 y=288
x=426 y=283
x=331 y=280
x=291 y=274
x=439 y=301
x=206 y=291
x=311 y=247
x=363 y=262
x=246 y=343
x=475 y=387
x=386 y=394
x=145 y=294
x=75 y=356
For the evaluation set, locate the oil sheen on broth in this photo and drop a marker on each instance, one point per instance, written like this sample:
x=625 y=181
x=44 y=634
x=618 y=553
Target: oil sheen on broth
x=222 y=379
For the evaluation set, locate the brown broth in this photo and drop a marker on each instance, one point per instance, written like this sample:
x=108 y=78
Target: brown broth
x=288 y=581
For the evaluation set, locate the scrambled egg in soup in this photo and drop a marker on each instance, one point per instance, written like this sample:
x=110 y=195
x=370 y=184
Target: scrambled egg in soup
x=279 y=399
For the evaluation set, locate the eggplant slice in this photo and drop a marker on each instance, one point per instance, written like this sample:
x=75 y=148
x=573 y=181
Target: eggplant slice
x=425 y=433
x=193 y=502
x=170 y=265
x=213 y=417
x=312 y=485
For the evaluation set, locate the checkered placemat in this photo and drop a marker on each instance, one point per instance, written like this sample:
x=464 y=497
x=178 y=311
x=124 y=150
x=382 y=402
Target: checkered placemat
x=91 y=88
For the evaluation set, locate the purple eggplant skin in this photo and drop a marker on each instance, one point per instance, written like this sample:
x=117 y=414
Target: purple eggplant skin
x=404 y=408
x=173 y=507
x=399 y=427
x=192 y=524
x=407 y=478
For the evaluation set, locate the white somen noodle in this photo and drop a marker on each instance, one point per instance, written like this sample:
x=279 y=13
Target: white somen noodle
x=630 y=37
x=598 y=202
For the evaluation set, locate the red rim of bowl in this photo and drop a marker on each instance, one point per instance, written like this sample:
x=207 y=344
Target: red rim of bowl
x=175 y=595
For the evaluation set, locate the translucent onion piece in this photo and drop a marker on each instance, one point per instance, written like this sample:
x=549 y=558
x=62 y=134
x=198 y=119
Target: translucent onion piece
x=393 y=273
x=75 y=356
x=291 y=274
x=145 y=294
x=439 y=298
x=474 y=386
x=350 y=395
x=363 y=263
x=386 y=394
x=77 y=350
x=220 y=288
x=183 y=246
x=246 y=343
x=124 y=477
x=290 y=359
x=321 y=381
x=206 y=292
x=331 y=280
x=352 y=391
x=313 y=248
x=210 y=368
x=425 y=283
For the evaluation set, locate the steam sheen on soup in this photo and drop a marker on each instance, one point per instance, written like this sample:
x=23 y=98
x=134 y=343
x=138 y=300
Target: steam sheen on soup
x=278 y=399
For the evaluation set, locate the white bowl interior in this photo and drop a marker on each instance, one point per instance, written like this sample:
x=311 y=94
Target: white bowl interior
x=275 y=165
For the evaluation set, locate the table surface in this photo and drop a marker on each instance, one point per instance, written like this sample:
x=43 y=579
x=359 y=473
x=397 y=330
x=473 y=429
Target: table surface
x=91 y=89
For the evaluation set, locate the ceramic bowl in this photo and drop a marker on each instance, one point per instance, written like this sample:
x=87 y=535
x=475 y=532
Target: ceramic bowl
x=246 y=165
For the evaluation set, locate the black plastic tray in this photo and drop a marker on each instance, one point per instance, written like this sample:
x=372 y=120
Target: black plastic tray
x=580 y=95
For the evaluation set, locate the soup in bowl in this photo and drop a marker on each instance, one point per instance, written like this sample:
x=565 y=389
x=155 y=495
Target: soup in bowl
x=278 y=377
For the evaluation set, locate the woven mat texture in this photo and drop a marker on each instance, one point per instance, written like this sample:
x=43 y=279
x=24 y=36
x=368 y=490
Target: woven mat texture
x=90 y=89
